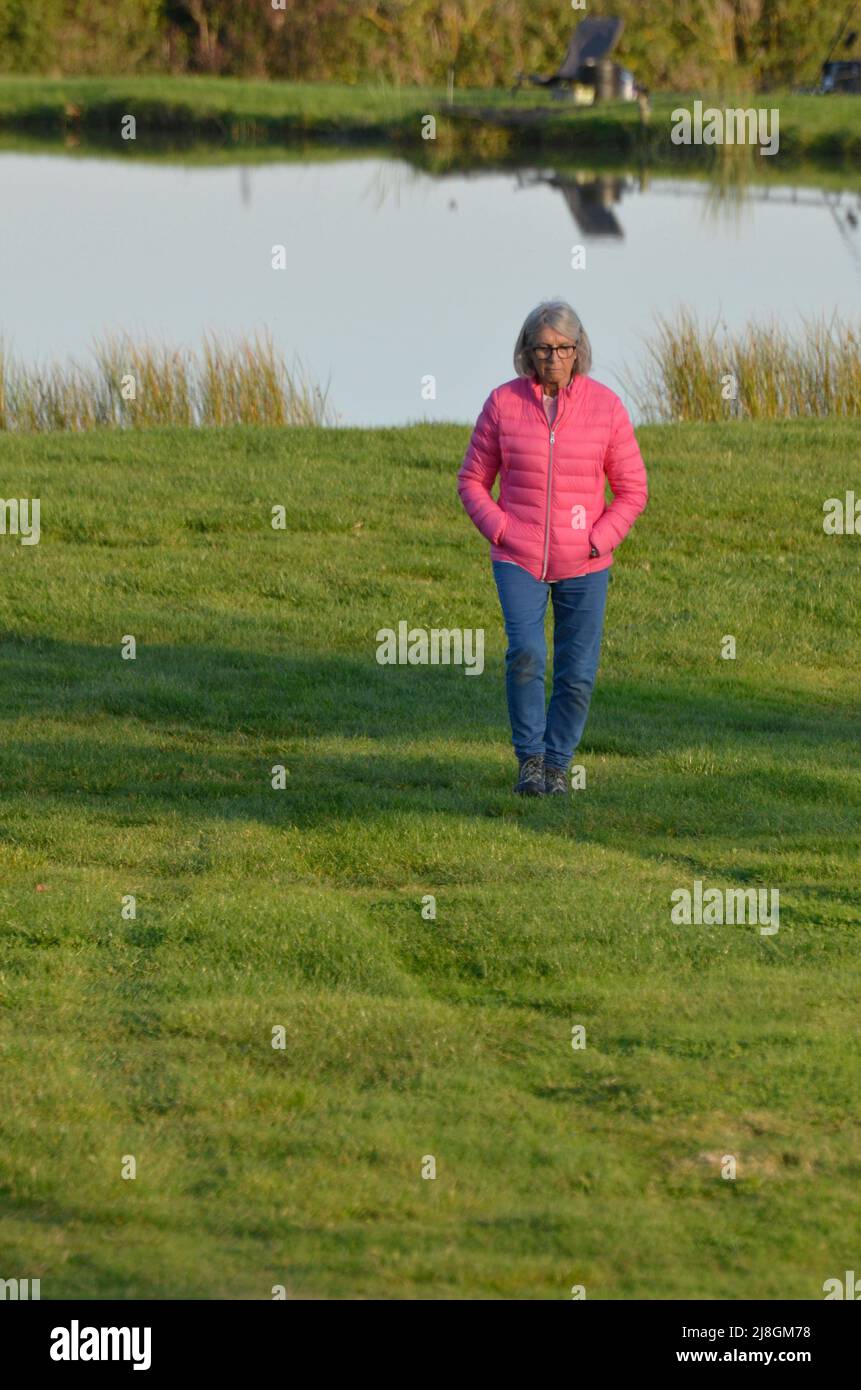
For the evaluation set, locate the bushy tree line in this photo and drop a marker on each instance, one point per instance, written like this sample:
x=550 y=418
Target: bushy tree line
x=680 y=44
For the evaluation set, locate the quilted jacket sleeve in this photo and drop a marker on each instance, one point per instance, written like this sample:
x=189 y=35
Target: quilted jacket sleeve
x=626 y=474
x=478 y=471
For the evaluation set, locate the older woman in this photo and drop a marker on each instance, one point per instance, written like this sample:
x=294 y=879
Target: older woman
x=555 y=437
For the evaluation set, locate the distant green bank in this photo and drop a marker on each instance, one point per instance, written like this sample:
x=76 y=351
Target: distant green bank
x=487 y=122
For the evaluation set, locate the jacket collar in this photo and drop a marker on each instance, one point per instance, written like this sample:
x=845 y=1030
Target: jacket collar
x=568 y=395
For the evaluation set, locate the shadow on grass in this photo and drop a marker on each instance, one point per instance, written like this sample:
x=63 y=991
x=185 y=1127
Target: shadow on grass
x=203 y=690
x=212 y=723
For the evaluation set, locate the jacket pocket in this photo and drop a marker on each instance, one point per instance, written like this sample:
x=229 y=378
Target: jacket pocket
x=520 y=537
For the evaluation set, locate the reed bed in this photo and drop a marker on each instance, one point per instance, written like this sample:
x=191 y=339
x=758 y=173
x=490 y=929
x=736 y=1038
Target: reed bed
x=138 y=385
x=761 y=372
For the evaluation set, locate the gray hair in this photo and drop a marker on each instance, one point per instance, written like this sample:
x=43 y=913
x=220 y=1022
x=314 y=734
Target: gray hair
x=552 y=313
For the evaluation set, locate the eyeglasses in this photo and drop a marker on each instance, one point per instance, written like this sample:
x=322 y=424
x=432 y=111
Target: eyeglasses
x=546 y=350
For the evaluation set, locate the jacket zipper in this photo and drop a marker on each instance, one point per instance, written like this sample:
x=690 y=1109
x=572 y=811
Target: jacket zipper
x=553 y=428
x=547 y=517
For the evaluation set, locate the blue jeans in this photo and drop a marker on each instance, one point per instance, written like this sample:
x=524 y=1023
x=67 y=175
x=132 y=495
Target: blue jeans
x=578 y=621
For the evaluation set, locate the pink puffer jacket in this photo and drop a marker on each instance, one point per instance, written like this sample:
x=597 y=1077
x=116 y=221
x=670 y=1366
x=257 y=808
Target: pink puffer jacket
x=552 y=507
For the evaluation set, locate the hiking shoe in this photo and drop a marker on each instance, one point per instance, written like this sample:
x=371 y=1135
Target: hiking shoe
x=531 y=779
x=555 y=781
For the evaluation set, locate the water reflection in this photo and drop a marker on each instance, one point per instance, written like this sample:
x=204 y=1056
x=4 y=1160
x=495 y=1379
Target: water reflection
x=590 y=200
x=395 y=275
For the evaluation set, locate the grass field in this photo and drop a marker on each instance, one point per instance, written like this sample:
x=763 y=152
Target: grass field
x=235 y=111
x=302 y=907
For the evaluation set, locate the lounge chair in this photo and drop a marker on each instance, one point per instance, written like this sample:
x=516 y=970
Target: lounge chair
x=592 y=40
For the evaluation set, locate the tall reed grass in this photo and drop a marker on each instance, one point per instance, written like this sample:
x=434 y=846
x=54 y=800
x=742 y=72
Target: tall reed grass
x=136 y=385
x=761 y=372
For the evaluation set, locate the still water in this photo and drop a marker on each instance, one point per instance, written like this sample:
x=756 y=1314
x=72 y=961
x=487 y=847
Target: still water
x=394 y=275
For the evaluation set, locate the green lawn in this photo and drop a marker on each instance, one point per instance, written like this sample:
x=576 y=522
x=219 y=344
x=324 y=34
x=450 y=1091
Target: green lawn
x=302 y=907
x=234 y=110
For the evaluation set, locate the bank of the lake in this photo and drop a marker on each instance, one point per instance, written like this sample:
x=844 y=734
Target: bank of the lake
x=481 y=121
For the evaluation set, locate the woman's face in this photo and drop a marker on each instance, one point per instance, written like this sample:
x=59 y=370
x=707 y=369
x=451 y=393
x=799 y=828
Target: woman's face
x=553 y=370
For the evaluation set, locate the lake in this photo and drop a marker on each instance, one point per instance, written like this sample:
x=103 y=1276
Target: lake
x=394 y=275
